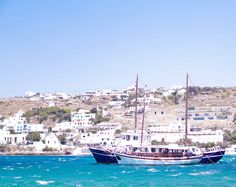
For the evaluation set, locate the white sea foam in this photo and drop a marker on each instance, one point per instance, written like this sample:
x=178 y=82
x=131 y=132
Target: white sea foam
x=18 y=177
x=153 y=170
x=177 y=174
x=199 y=165
x=61 y=159
x=41 y=182
x=36 y=176
x=126 y=172
x=30 y=166
x=203 y=173
x=8 y=168
x=228 y=178
x=113 y=177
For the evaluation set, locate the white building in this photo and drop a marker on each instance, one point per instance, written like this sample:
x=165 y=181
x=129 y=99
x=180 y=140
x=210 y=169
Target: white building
x=52 y=141
x=105 y=138
x=30 y=94
x=109 y=126
x=7 y=138
x=131 y=138
x=207 y=136
x=175 y=131
x=174 y=126
x=62 y=126
x=16 y=119
x=116 y=104
x=82 y=118
x=25 y=128
x=201 y=114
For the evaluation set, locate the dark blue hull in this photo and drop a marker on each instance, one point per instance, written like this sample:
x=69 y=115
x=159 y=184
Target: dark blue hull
x=212 y=156
x=103 y=156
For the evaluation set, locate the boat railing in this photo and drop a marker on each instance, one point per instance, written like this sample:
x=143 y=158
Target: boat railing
x=143 y=154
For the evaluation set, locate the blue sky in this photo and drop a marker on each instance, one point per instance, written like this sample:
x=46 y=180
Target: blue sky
x=73 y=46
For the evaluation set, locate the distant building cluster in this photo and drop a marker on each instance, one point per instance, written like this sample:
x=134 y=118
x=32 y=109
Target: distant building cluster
x=81 y=129
x=201 y=114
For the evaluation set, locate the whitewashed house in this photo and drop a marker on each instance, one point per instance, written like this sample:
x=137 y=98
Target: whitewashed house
x=12 y=122
x=14 y=139
x=82 y=118
x=116 y=104
x=175 y=131
x=207 y=136
x=26 y=128
x=16 y=119
x=52 y=141
x=30 y=94
x=62 y=126
x=105 y=138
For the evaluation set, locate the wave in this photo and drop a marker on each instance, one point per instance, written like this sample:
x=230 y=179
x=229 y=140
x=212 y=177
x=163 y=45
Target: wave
x=36 y=176
x=177 y=174
x=113 y=177
x=8 y=168
x=126 y=172
x=41 y=182
x=152 y=170
x=18 y=177
x=229 y=179
x=203 y=173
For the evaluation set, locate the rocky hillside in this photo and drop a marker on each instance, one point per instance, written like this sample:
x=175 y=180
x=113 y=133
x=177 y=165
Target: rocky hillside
x=157 y=113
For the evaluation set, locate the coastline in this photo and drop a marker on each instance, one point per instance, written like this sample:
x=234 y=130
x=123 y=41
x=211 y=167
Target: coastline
x=20 y=153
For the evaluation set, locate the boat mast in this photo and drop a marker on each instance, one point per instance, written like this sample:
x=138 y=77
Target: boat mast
x=144 y=103
x=136 y=105
x=186 y=110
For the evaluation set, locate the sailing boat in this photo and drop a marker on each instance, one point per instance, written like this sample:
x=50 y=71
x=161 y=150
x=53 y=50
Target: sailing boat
x=158 y=155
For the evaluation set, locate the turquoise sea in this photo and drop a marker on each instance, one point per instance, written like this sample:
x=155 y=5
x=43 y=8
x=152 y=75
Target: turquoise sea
x=83 y=171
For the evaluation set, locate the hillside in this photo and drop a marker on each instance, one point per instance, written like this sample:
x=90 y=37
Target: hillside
x=158 y=113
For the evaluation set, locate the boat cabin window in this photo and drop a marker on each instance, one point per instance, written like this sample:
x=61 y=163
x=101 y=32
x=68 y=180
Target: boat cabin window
x=163 y=150
x=135 y=138
x=128 y=137
x=153 y=150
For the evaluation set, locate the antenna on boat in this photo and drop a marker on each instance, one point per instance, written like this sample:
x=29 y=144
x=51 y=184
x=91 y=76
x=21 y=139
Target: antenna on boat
x=136 y=104
x=186 y=109
x=144 y=103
